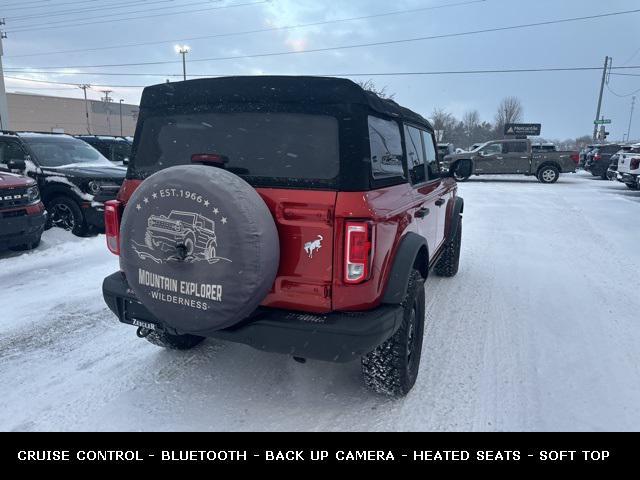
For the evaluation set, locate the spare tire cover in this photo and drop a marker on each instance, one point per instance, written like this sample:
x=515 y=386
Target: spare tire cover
x=199 y=248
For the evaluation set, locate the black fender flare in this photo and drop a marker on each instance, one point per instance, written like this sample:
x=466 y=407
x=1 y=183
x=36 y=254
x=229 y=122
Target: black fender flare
x=456 y=214
x=412 y=252
x=54 y=189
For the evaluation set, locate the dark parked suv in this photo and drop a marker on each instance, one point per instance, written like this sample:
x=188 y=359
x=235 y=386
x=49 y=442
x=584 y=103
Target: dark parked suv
x=319 y=254
x=599 y=159
x=115 y=149
x=70 y=174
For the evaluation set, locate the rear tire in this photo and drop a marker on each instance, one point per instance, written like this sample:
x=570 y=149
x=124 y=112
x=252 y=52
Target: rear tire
x=27 y=246
x=449 y=263
x=632 y=186
x=173 y=342
x=548 y=174
x=392 y=368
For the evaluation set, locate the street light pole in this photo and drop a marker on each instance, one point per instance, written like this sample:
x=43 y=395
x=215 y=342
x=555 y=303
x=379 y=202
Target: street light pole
x=604 y=78
x=121 y=130
x=183 y=50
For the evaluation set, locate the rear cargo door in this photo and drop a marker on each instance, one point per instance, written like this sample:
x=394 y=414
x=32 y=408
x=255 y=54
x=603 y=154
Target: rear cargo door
x=305 y=221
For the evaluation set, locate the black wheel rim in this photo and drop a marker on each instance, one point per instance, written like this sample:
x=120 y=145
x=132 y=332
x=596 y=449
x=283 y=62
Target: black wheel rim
x=62 y=217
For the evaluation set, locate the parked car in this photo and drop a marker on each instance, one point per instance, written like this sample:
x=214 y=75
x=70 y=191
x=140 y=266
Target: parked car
x=22 y=214
x=115 y=149
x=445 y=149
x=69 y=174
x=583 y=155
x=612 y=171
x=511 y=157
x=599 y=159
x=319 y=254
x=629 y=167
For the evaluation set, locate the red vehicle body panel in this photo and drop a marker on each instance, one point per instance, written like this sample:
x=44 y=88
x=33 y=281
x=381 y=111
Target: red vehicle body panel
x=315 y=283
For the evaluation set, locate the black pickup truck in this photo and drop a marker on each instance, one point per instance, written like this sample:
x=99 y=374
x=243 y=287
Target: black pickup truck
x=500 y=157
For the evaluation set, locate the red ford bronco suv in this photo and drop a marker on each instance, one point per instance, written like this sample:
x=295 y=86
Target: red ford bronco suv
x=22 y=214
x=329 y=212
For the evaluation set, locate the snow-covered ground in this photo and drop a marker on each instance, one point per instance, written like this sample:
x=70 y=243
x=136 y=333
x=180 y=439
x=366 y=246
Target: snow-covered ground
x=540 y=330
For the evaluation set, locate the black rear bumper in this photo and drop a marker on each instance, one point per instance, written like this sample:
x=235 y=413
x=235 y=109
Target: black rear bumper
x=335 y=337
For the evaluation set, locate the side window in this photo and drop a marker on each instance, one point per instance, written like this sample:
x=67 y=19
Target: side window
x=492 y=149
x=386 y=149
x=10 y=151
x=519 y=147
x=415 y=155
x=431 y=156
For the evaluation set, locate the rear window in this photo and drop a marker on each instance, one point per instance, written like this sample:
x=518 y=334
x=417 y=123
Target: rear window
x=280 y=147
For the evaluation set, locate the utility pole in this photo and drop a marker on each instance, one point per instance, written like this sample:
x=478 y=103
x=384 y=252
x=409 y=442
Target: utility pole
x=4 y=109
x=107 y=100
x=183 y=50
x=86 y=106
x=633 y=104
x=121 y=130
x=604 y=78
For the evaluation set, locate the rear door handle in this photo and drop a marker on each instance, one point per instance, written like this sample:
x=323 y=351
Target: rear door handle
x=440 y=202
x=423 y=212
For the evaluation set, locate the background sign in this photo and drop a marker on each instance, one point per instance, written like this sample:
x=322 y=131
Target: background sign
x=523 y=129
x=602 y=122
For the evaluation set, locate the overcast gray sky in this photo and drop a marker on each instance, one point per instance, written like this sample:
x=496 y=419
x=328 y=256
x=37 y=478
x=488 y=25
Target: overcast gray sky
x=564 y=102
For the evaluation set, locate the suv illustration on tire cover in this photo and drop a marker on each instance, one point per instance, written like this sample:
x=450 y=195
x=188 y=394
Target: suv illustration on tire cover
x=194 y=232
x=249 y=215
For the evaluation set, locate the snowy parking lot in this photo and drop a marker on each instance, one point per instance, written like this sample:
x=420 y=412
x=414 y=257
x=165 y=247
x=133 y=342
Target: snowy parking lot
x=539 y=331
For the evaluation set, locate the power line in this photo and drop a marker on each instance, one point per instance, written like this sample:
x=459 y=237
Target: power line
x=361 y=74
x=58 y=13
x=360 y=45
x=620 y=95
x=146 y=17
x=247 y=32
x=120 y=5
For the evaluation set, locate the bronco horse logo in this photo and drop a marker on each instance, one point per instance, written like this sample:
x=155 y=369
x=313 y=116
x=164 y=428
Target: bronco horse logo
x=315 y=246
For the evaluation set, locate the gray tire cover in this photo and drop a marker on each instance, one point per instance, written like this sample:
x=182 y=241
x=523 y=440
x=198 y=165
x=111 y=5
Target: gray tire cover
x=199 y=248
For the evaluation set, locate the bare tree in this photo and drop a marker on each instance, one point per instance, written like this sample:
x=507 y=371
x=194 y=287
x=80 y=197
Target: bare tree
x=509 y=111
x=444 y=124
x=471 y=121
x=370 y=86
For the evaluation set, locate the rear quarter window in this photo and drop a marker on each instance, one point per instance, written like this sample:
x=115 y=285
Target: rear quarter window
x=385 y=145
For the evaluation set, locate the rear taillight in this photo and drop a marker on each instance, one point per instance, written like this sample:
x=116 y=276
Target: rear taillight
x=575 y=157
x=112 y=214
x=597 y=157
x=634 y=164
x=357 y=251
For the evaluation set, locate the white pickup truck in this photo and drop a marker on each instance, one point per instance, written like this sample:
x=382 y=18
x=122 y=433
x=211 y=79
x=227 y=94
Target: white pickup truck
x=629 y=167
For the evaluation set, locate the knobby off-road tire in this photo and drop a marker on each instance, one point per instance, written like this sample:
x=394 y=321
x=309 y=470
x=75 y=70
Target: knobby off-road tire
x=462 y=171
x=449 y=263
x=173 y=342
x=392 y=368
x=68 y=213
x=548 y=174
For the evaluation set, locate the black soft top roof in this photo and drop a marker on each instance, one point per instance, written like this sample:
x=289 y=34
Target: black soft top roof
x=274 y=89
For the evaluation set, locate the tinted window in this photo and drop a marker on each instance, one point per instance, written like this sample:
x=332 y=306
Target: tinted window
x=517 y=147
x=431 y=156
x=386 y=148
x=282 y=146
x=10 y=151
x=415 y=155
x=57 y=151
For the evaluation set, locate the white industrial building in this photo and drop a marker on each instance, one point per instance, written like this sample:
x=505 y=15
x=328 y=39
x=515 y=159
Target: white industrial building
x=43 y=113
